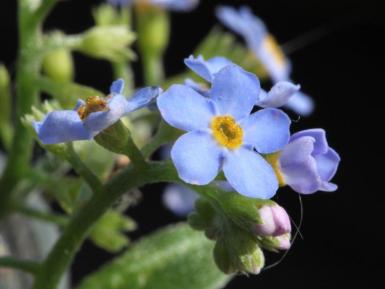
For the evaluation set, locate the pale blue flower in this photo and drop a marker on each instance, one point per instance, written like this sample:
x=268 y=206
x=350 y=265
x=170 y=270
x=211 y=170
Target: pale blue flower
x=264 y=46
x=92 y=116
x=175 y=5
x=221 y=133
x=307 y=163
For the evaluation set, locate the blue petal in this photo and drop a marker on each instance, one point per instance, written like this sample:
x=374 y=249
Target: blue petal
x=176 y=5
x=198 y=87
x=121 y=2
x=250 y=174
x=268 y=130
x=179 y=199
x=184 y=108
x=299 y=167
x=244 y=23
x=278 y=95
x=100 y=120
x=206 y=69
x=320 y=146
x=143 y=97
x=197 y=158
x=327 y=164
x=235 y=91
x=61 y=126
x=301 y=103
x=117 y=87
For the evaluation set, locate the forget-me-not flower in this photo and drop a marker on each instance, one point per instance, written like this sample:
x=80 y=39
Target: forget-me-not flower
x=307 y=163
x=92 y=116
x=175 y=5
x=279 y=95
x=221 y=133
x=266 y=49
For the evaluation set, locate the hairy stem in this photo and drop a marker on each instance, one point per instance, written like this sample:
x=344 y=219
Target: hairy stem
x=28 y=66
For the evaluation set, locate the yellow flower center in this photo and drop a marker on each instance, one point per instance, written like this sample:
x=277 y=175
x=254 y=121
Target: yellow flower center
x=93 y=104
x=273 y=160
x=227 y=132
x=272 y=46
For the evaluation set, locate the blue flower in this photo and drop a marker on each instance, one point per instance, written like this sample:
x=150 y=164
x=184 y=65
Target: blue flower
x=176 y=5
x=266 y=49
x=307 y=163
x=91 y=116
x=279 y=95
x=221 y=133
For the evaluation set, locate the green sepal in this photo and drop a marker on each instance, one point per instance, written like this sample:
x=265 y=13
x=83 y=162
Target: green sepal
x=114 y=138
x=174 y=257
x=108 y=232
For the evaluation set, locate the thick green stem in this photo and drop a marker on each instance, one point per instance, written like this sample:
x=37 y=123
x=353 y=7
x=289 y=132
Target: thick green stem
x=74 y=234
x=29 y=62
x=23 y=265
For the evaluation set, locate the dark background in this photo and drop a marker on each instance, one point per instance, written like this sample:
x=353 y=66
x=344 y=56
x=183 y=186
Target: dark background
x=341 y=64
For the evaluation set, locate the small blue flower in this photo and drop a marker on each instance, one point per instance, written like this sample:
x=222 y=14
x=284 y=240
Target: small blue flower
x=279 y=95
x=266 y=49
x=307 y=163
x=175 y=5
x=221 y=133
x=92 y=116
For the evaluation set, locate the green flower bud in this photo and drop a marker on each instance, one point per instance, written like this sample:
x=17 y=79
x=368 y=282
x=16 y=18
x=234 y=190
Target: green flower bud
x=59 y=66
x=108 y=42
x=153 y=30
x=238 y=253
x=106 y=15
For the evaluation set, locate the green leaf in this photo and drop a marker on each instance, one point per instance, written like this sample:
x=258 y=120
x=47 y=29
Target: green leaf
x=175 y=257
x=108 y=233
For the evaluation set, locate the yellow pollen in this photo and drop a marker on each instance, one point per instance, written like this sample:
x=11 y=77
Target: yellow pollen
x=227 y=132
x=272 y=46
x=93 y=104
x=273 y=160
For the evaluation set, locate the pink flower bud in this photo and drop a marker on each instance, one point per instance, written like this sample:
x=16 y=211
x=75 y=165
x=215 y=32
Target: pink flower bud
x=283 y=242
x=275 y=221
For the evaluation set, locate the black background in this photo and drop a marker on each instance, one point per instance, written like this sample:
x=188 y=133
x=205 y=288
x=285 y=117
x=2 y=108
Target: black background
x=343 y=69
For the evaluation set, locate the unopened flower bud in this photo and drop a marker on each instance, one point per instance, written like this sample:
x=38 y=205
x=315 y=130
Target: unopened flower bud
x=275 y=221
x=283 y=242
x=108 y=42
x=59 y=65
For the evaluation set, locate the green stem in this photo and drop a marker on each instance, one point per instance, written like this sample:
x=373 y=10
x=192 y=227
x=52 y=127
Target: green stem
x=60 y=220
x=23 y=265
x=134 y=154
x=153 y=69
x=29 y=63
x=123 y=70
x=44 y=9
x=77 y=164
x=76 y=231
